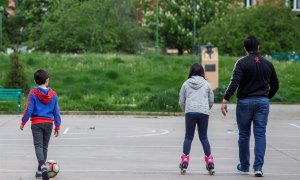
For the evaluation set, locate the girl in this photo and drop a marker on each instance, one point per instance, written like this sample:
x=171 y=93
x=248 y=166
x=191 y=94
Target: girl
x=196 y=99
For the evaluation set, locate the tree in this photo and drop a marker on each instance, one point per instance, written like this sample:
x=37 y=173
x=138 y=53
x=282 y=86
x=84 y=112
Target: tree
x=28 y=13
x=276 y=27
x=16 y=77
x=176 y=19
x=90 y=25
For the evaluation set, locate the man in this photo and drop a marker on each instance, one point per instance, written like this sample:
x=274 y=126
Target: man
x=257 y=82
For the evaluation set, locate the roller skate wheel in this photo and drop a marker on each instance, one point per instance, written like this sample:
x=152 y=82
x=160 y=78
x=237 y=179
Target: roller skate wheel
x=183 y=171
x=211 y=172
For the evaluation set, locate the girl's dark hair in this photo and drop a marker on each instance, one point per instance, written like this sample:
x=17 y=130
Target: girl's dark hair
x=251 y=44
x=196 y=70
x=40 y=76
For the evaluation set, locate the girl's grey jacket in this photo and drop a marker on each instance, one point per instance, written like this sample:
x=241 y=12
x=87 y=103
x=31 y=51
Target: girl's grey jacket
x=196 y=95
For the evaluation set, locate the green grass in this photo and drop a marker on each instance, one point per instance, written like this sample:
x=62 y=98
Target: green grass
x=130 y=82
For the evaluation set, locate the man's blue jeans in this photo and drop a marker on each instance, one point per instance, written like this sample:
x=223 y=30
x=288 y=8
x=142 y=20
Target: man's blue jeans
x=256 y=110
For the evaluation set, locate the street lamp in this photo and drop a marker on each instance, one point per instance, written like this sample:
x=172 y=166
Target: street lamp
x=1 y=14
x=157 y=23
x=195 y=8
x=209 y=49
x=194 y=25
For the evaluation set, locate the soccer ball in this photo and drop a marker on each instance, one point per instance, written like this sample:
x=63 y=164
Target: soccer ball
x=53 y=168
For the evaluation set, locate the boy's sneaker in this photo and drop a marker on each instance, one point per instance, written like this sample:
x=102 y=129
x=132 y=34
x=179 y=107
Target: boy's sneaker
x=44 y=172
x=242 y=171
x=258 y=173
x=38 y=174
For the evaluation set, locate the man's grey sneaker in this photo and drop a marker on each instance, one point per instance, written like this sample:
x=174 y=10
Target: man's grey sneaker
x=242 y=171
x=258 y=173
x=44 y=172
x=38 y=174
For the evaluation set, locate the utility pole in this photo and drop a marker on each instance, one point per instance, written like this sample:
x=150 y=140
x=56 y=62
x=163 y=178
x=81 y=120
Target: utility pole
x=157 y=24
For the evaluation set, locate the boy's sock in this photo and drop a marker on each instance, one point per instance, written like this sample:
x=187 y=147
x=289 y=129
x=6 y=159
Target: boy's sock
x=40 y=164
x=44 y=172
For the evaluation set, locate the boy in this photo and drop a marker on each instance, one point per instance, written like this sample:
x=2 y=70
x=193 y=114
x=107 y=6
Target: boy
x=42 y=108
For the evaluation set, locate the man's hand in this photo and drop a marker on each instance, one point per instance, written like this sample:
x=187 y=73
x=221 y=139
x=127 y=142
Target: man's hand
x=22 y=127
x=224 y=107
x=56 y=133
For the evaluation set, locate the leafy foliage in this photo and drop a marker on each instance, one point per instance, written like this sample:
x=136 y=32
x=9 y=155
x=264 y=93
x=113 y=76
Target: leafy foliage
x=75 y=26
x=18 y=28
x=144 y=83
x=176 y=19
x=16 y=77
x=163 y=100
x=93 y=26
x=276 y=27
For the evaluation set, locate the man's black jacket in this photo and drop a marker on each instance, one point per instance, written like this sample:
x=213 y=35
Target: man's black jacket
x=254 y=76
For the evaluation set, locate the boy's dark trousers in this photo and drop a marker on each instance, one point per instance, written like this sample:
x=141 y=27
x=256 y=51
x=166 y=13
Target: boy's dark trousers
x=41 y=135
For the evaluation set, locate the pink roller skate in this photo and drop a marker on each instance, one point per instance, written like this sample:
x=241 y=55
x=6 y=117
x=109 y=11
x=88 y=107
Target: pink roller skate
x=210 y=164
x=184 y=163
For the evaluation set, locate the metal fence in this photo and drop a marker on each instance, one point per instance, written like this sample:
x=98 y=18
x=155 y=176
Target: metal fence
x=290 y=56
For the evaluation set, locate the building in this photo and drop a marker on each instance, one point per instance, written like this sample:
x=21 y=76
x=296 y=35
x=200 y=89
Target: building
x=293 y=4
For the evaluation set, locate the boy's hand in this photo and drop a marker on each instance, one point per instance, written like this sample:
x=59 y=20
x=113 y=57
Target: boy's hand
x=56 y=133
x=22 y=127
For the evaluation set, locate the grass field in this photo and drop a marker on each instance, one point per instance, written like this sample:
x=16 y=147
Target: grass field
x=96 y=82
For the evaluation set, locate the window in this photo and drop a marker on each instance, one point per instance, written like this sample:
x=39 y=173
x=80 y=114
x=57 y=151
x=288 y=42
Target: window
x=293 y=4
x=296 y=5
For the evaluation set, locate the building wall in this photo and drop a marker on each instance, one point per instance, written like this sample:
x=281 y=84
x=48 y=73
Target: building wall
x=275 y=2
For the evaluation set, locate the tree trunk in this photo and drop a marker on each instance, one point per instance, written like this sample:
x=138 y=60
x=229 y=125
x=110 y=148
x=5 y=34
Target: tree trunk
x=180 y=51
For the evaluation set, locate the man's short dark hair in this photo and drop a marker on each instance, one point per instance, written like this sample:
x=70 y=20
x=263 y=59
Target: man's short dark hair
x=40 y=76
x=251 y=44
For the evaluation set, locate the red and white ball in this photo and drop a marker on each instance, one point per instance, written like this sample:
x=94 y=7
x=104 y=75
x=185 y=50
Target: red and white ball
x=53 y=168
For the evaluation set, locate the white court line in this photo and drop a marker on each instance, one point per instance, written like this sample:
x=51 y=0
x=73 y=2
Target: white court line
x=232 y=132
x=141 y=171
x=66 y=130
x=164 y=131
x=295 y=125
x=152 y=133
x=141 y=147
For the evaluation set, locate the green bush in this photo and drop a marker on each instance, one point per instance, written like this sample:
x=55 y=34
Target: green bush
x=16 y=77
x=113 y=75
x=163 y=100
x=30 y=61
x=276 y=27
x=117 y=60
x=219 y=93
x=87 y=26
x=144 y=83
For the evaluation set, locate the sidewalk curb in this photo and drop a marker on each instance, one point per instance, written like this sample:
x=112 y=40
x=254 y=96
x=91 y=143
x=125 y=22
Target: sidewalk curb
x=138 y=113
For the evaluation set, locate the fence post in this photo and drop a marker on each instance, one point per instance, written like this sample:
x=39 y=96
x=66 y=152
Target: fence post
x=19 y=102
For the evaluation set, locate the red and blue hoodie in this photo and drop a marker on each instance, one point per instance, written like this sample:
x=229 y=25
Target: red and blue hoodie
x=42 y=107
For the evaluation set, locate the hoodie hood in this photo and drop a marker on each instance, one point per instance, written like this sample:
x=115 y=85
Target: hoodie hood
x=196 y=82
x=44 y=95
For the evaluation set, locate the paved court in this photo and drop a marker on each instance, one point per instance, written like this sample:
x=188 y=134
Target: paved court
x=147 y=147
